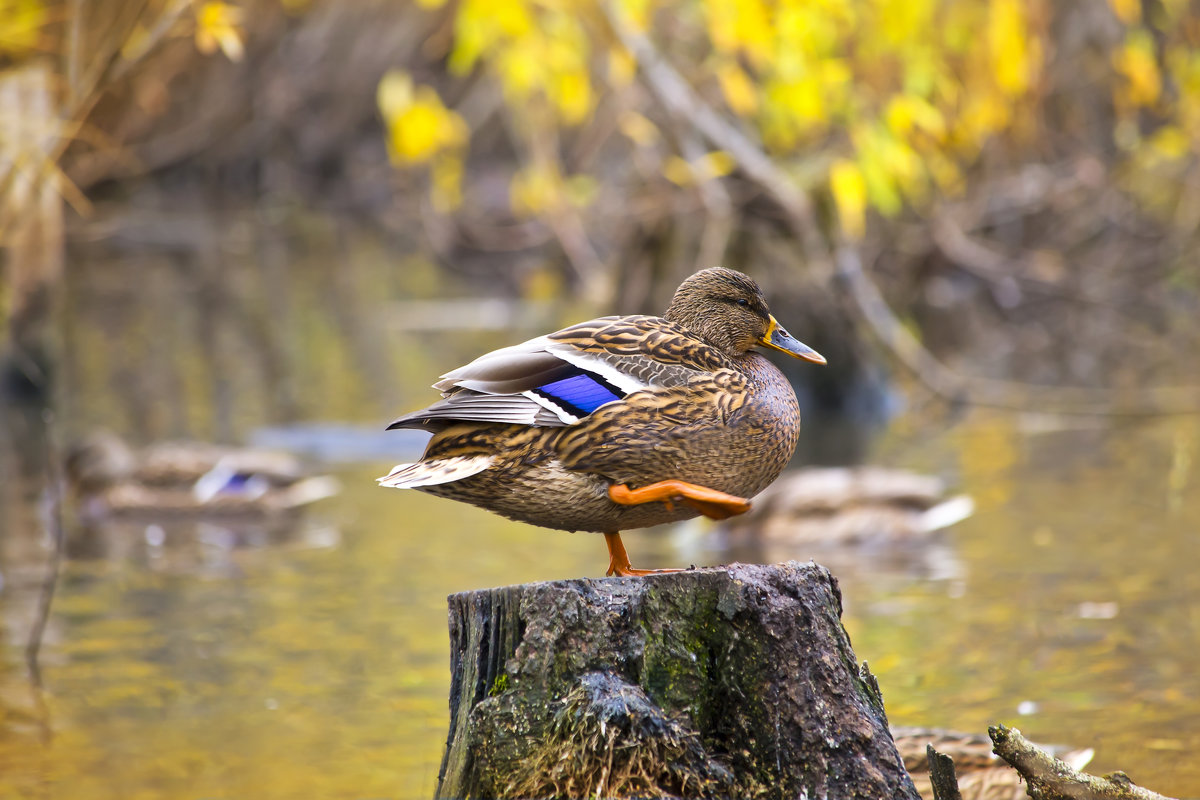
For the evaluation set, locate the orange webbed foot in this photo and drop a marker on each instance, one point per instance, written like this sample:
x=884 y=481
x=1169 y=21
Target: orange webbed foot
x=709 y=502
x=618 y=560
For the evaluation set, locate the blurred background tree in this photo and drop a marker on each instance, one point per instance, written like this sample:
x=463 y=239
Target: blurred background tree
x=994 y=189
x=1017 y=173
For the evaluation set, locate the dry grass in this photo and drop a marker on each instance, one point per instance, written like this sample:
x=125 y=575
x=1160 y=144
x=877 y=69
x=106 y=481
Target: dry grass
x=610 y=740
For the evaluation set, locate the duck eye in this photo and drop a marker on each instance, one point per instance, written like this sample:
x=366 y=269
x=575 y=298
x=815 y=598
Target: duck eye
x=743 y=302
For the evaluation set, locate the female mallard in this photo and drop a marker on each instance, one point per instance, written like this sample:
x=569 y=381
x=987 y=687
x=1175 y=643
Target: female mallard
x=620 y=422
x=187 y=479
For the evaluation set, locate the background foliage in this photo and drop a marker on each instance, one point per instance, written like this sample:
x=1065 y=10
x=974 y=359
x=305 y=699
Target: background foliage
x=1008 y=174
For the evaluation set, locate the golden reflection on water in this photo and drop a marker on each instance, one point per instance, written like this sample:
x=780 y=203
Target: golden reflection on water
x=314 y=663
x=1078 y=600
x=317 y=667
x=282 y=672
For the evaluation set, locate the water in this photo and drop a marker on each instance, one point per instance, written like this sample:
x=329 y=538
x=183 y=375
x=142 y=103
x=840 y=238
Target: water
x=201 y=661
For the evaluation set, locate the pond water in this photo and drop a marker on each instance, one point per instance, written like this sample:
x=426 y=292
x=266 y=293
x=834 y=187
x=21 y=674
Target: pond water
x=203 y=661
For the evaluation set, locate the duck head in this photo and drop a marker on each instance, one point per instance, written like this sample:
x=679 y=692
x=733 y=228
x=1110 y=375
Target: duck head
x=727 y=310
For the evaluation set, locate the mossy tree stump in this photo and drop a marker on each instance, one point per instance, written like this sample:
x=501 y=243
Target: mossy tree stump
x=731 y=682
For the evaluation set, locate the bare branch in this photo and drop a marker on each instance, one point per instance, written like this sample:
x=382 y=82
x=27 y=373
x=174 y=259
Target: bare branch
x=682 y=102
x=1052 y=779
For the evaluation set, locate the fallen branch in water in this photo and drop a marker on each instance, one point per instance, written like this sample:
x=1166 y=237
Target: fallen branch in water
x=1052 y=779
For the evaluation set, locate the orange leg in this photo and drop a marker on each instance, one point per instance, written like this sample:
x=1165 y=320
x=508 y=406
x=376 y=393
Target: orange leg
x=618 y=560
x=709 y=502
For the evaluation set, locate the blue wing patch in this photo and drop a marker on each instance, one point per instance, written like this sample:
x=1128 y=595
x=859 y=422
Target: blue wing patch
x=580 y=394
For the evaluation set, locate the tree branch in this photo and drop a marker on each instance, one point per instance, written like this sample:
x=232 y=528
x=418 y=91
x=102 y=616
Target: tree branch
x=682 y=102
x=1052 y=779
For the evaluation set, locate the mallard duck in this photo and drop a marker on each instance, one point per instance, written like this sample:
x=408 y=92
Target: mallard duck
x=619 y=422
x=192 y=479
x=982 y=775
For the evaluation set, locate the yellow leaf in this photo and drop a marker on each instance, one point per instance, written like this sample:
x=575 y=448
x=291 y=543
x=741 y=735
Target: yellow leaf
x=218 y=26
x=1136 y=62
x=640 y=130
x=415 y=133
x=984 y=114
x=849 y=191
x=716 y=164
x=881 y=189
x=743 y=26
x=394 y=93
x=906 y=112
x=21 y=24
x=472 y=36
x=834 y=72
x=521 y=70
x=572 y=95
x=513 y=17
x=635 y=13
x=740 y=92
x=721 y=26
x=419 y=126
x=622 y=67
x=1170 y=142
x=801 y=99
x=1008 y=40
x=534 y=190
x=902 y=20
x=678 y=171
x=480 y=25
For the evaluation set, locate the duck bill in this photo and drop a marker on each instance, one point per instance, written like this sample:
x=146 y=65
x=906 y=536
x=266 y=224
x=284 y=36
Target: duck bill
x=777 y=338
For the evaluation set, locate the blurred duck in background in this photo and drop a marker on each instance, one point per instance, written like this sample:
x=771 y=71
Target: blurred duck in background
x=187 y=479
x=847 y=506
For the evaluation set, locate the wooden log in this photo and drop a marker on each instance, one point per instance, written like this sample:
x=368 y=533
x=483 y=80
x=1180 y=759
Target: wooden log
x=730 y=682
x=942 y=778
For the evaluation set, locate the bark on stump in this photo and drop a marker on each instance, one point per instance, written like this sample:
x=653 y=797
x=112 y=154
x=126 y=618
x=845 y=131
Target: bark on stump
x=730 y=682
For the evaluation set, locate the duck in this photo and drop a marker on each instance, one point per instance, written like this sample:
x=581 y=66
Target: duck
x=111 y=480
x=981 y=774
x=834 y=507
x=620 y=422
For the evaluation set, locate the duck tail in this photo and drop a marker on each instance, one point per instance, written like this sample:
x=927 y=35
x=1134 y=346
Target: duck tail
x=435 y=471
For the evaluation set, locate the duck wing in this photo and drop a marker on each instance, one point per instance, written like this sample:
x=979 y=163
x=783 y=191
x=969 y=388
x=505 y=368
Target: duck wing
x=561 y=378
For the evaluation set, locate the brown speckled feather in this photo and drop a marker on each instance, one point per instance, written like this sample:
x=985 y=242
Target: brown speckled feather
x=653 y=349
x=688 y=401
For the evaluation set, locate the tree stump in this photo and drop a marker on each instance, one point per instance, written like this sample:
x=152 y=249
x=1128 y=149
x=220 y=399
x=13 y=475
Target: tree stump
x=730 y=682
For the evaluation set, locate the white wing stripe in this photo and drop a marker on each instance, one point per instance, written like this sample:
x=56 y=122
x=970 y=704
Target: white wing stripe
x=623 y=381
x=547 y=403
